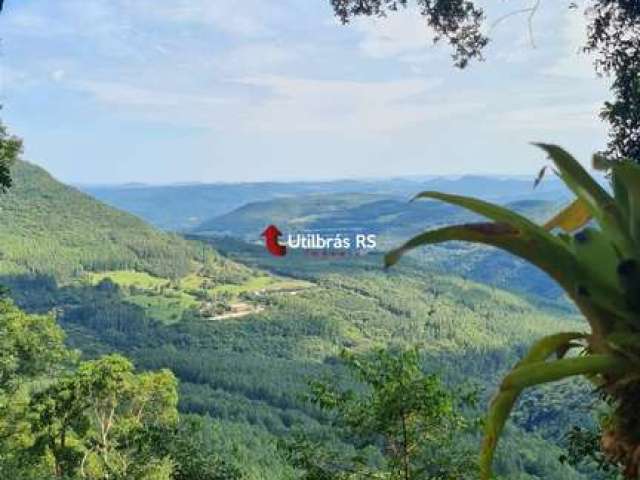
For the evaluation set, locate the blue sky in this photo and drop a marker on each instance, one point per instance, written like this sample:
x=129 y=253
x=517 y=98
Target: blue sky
x=162 y=91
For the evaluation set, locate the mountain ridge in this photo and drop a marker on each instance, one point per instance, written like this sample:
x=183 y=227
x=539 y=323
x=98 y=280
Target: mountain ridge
x=51 y=228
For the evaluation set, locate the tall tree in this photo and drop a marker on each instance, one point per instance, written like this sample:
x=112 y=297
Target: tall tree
x=394 y=406
x=92 y=419
x=10 y=149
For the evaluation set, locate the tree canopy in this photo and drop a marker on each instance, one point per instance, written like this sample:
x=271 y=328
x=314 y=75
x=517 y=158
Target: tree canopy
x=395 y=408
x=10 y=150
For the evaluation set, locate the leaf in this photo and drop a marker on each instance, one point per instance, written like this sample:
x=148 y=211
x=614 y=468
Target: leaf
x=621 y=195
x=554 y=255
x=499 y=412
x=577 y=178
x=540 y=176
x=600 y=162
x=602 y=205
x=547 y=346
x=544 y=251
x=486 y=209
x=575 y=216
x=537 y=373
x=628 y=175
x=626 y=343
x=598 y=257
x=505 y=399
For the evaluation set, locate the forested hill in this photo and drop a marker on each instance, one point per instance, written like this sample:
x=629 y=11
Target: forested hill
x=47 y=228
x=244 y=337
x=185 y=207
x=392 y=218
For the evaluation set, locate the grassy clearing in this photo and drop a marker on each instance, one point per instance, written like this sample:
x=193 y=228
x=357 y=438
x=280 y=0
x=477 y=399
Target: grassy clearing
x=266 y=283
x=163 y=308
x=251 y=285
x=166 y=301
x=129 y=278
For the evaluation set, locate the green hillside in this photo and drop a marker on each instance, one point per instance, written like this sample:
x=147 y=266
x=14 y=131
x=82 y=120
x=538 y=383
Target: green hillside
x=393 y=220
x=300 y=212
x=49 y=228
x=391 y=217
x=244 y=333
x=250 y=373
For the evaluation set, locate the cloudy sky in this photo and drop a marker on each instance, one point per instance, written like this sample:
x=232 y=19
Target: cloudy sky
x=162 y=91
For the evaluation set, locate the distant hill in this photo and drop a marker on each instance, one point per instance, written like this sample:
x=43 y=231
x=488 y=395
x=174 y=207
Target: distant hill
x=502 y=189
x=392 y=218
x=48 y=228
x=184 y=207
x=395 y=220
x=248 y=374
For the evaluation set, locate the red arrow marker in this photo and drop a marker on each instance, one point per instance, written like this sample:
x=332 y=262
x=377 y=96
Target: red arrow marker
x=271 y=234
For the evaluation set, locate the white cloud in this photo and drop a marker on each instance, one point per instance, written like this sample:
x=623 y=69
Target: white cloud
x=252 y=69
x=246 y=18
x=255 y=57
x=13 y=79
x=291 y=105
x=306 y=105
x=552 y=118
x=403 y=32
x=573 y=62
x=121 y=94
x=58 y=75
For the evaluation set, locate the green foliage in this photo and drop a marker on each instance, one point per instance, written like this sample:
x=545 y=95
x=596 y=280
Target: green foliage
x=30 y=345
x=248 y=373
x=49 y=228
x=611 y=36
x=90 y=419
x=95 y=420
x=457 y=21
x=190 y=446
x=598 y=268
x=10 y=149
x=583 y=447
x=410 y=416
x=31 y=349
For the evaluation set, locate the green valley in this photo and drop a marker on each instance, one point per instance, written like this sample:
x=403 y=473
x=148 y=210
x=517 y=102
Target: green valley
x=244 y=333
x=294 y=240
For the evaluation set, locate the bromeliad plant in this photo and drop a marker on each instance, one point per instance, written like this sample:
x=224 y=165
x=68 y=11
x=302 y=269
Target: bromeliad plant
x=592 y=249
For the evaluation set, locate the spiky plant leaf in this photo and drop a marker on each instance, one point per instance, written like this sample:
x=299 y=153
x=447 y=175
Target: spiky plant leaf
x=625 y=343
x=572 y=218
x=597 y=256
x=526 y=240
x=537 y=373
x=544 y=372
x=601 y=163
x=620 y=193
x=503 y=402
x=489 y=210
x=602 y=205
x=627 y=175
x=598 y=268
x=577 y=178
x=553 y=256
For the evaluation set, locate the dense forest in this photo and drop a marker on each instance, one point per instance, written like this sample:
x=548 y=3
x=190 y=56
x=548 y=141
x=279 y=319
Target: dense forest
x=129 y=351
x=243 y=395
